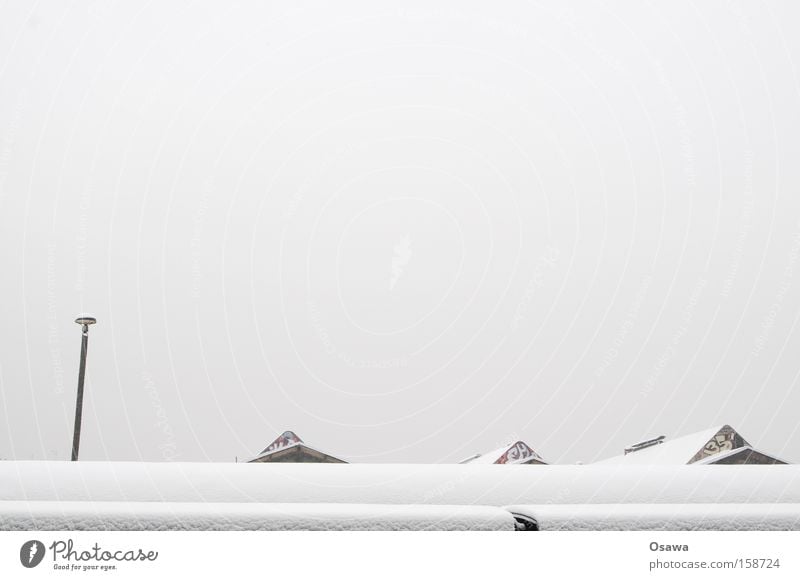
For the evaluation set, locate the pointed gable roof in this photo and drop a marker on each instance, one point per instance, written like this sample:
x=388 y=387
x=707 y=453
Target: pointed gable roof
x=285 y=439
x=289 y=448
x=702 y=447
x=512 y=453
x=724 y=440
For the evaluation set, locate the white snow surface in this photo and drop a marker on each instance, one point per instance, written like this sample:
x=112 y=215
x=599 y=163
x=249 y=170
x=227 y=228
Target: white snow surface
x=488 y=485
x=676 y=451
x=487 y=458
x=152 y=516
x=678 y=517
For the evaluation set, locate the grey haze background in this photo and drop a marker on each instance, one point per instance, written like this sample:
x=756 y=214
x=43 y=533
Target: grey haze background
x=408 y=232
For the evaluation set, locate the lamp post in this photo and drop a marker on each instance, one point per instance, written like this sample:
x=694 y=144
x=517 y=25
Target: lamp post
x=84 y=321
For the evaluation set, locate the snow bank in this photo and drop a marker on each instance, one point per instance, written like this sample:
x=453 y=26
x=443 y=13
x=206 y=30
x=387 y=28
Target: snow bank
x=489 y=485
x=49 y=515
x=663 y=516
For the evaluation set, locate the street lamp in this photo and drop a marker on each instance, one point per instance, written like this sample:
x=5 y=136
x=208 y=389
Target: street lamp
x=84 y=320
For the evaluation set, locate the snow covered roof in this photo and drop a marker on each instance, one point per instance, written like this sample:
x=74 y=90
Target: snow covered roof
x=100 y=481
x=228 y=496
x=158 y=515
x=708 y=446
x=692 y=516
x=288 y=447
x=285 y=439
x=670 y=452
x=742 y=455
x=511 y=453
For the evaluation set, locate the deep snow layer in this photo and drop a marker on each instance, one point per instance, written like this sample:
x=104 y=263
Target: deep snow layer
x=731 y=517
x=490 y=485
x=51 y=515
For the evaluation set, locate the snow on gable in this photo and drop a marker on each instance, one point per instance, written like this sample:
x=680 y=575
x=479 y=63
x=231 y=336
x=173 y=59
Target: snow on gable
x=724 y=440
x=702 y=446
x=289 y=448
x=513 y=453
x=284 y=440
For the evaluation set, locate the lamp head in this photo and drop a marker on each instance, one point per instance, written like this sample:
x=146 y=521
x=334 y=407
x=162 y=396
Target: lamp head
x=85 y=319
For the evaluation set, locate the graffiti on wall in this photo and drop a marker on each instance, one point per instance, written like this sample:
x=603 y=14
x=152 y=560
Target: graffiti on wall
x=724 y=440
x=519 y=452
x=286 y=439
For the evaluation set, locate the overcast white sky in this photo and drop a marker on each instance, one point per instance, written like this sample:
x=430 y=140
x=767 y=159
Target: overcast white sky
x=408 y=233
